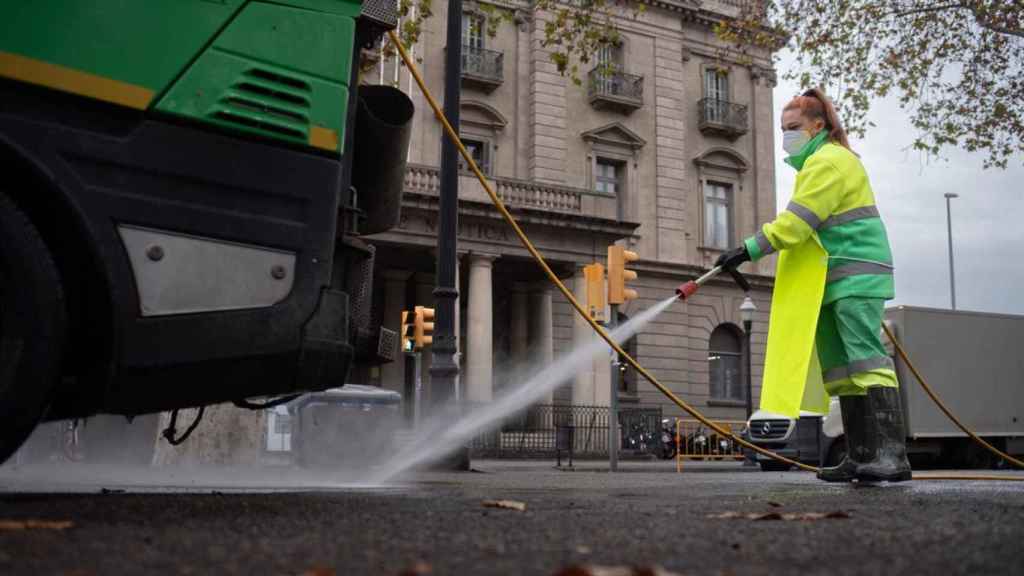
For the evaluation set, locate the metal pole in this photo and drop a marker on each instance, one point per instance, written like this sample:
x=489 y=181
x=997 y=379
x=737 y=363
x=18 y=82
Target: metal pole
x=411 y=388
x=443 y=369
x=949 y=229
x=613 y=404
x=747 y=324
x=417 y=368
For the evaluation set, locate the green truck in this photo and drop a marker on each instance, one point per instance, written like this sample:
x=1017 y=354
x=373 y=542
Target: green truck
x=187 y=184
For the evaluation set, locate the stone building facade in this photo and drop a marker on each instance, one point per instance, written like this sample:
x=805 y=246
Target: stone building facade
x=670 y=155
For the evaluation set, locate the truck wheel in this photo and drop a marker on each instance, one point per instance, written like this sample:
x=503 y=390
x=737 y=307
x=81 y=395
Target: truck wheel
x=33 y=319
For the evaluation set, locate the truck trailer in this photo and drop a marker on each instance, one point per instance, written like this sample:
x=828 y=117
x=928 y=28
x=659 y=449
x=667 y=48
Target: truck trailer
x=972 y=360
x=186 y=189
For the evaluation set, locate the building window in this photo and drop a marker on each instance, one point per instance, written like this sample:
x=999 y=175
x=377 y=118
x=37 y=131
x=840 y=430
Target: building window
x=480 y=151
x=473 y=31
x=608 y=176
x=724 y=355
x=717 y=202
x=716 y=93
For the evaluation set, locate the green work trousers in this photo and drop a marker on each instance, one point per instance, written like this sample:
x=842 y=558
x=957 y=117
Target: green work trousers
x=850 y=349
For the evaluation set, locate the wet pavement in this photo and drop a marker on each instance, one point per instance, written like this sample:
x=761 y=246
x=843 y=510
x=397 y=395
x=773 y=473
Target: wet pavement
x=714 y=518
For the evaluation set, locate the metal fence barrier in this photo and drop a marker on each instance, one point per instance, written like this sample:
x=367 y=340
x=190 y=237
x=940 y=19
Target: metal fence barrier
x=698 y=442
x=534 y=433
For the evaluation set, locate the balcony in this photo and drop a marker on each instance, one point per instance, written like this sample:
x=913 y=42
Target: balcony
x=612 y=90
x=722 y=118
x=482 y=69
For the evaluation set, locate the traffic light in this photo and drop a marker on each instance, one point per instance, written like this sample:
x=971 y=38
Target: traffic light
x=618 y=257
x=406 y=332
x=594 y=276
x=423 y=330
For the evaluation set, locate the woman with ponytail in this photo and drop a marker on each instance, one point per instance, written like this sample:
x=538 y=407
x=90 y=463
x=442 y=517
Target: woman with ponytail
x=833 y=276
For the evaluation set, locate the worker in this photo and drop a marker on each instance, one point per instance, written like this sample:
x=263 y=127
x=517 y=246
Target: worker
x=833 y=276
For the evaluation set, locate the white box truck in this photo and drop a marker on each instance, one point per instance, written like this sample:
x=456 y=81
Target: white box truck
x=975 y=363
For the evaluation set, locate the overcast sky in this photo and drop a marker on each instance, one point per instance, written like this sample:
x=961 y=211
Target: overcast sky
x=988 y=217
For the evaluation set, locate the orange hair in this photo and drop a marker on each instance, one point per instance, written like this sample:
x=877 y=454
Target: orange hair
x=815 y=104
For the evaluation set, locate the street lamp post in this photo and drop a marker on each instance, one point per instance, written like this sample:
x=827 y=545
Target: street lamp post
x=747 y=310
x=949 y=229
x=443 y=369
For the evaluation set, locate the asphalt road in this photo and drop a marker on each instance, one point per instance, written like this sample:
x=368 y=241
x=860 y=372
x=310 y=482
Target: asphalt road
x=246 y=522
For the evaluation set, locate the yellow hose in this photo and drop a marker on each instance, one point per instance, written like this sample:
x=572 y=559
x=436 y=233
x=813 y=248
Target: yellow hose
x=500 y=206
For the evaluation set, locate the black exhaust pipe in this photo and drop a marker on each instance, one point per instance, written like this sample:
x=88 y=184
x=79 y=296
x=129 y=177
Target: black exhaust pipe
x=383 y=129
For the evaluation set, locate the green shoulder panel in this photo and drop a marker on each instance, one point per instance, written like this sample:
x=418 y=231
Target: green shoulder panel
x=276 y=71
x=131 y=43
x=279 y=69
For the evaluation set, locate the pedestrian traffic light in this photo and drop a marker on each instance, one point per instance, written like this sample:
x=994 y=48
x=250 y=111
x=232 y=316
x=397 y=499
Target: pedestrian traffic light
x=406 y=332
x=618 y=275
x=593 y=274
x=424 y=327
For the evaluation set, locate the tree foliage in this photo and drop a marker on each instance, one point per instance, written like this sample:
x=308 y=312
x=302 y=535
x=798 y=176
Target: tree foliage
x=956 y=67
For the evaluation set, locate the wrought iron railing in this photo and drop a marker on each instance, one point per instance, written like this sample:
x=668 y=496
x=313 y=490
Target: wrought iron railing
x=723 y=113
x=611 y=83
x=533 y=433
x=483 y=63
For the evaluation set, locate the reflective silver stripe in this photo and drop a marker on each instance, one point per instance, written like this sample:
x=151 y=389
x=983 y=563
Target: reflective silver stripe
x=856 y=367
x=763 y=243
x=850 y=215
x=804 y=214
x=857 y=268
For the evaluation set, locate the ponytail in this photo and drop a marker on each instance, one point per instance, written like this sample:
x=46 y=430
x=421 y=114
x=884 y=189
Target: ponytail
x=814 y=104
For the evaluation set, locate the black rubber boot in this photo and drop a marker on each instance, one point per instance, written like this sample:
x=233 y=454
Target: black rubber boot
x=855 y=429
x=890 y=462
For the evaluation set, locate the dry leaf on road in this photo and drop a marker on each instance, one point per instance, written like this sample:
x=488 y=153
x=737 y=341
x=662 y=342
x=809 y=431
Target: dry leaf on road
x=507 y=504
x=792 y=516
x=19 y=525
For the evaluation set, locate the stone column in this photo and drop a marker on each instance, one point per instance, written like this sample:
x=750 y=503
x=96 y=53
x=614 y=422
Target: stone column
x=583 y=383
x=392 y=374
x=519 y=321
x=479 y=381
x=542 y=331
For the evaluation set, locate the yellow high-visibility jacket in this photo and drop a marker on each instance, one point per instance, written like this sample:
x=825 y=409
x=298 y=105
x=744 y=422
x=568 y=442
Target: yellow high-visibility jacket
x=833 y=245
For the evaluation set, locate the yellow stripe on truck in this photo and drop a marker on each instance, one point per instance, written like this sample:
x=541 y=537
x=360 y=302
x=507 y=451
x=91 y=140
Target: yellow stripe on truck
x=67 y=79
x=323 y=138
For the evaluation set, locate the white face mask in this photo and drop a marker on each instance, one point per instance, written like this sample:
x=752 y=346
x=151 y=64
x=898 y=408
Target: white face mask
x=794 y=140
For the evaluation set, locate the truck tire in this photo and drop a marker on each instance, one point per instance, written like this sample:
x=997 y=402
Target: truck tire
x=33 y=320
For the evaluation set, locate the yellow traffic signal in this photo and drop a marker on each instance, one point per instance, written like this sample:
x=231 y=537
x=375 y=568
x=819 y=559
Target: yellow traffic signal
x=618 y=275
x=423 y=330
x=406 y=332
x=594 y=276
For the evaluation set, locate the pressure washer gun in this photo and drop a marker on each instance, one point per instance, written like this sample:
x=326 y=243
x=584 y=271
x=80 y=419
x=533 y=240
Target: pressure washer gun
x=690 y=288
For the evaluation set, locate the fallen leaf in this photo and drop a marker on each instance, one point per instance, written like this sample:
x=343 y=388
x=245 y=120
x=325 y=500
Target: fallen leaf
x=774 y=504
x=319 y=571
x=507 y=504
x=727 y=515
x=19 y=525
x=790 y=516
